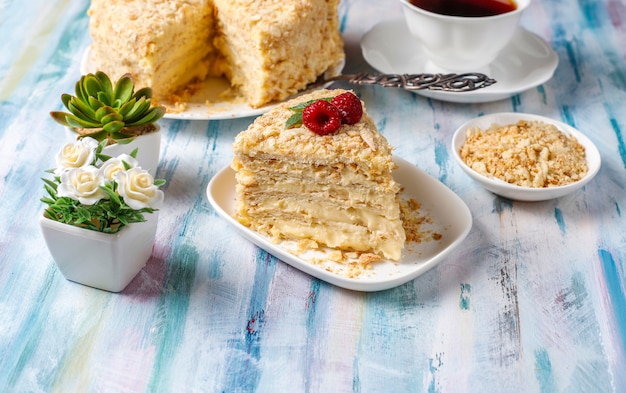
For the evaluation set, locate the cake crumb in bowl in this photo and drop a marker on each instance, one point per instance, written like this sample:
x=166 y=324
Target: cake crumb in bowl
x=525 y=157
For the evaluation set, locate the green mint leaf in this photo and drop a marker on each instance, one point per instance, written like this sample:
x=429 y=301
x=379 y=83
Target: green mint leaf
x=300 y=107
x=294 y=121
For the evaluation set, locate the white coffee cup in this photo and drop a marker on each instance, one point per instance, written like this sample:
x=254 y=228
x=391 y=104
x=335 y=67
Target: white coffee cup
x=460 y=43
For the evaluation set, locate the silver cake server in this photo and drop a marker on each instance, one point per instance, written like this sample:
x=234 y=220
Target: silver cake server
x=442 y=82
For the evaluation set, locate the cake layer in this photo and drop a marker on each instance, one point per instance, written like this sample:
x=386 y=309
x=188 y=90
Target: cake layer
x=312 y=210
x=383 y=203
x=346 y=237
x=335 y=173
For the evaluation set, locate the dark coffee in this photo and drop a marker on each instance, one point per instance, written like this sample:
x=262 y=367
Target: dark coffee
x=469 y=8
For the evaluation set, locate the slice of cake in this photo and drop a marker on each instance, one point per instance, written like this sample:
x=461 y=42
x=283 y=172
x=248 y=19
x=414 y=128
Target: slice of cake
x=164 y=44
x=267 y=49
x=336 y=190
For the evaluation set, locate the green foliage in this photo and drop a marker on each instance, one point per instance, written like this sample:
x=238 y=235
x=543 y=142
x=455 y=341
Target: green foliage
x=108 y=109
x=106 y=215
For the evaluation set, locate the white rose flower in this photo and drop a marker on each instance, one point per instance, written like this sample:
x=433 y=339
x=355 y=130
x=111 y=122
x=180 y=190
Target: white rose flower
x=82 y=184
x=76 y=155
x=114 y=165
x=137 y=188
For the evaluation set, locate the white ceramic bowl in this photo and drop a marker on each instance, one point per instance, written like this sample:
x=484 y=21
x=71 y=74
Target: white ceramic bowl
x=461 y=44
x=520 y=193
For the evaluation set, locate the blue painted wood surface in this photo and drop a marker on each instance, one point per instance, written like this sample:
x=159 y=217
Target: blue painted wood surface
x=533 y=300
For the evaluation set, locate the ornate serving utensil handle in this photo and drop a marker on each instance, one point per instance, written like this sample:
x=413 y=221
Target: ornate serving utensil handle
x=442 y=82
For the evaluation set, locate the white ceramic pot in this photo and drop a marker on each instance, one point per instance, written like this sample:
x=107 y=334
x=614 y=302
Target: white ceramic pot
x=149 y=146
x=100 y=260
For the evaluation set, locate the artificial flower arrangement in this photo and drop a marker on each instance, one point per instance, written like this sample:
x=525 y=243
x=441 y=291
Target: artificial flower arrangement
x=101 y=216
x=102 y=205
x=94 y=191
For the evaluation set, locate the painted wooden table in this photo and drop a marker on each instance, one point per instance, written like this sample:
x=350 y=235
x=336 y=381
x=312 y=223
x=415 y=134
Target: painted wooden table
x=533 y=300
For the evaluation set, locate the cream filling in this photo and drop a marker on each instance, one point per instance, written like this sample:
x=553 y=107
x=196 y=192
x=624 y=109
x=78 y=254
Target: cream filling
x=320 y=210
x=321 y=175
x=344 y=237
x=385 y=204
x=294 y=165
x=357 y=229
x=315 y=212
x=176 y=70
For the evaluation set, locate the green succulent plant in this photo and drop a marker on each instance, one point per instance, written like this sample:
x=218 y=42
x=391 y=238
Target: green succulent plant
x=102 y=110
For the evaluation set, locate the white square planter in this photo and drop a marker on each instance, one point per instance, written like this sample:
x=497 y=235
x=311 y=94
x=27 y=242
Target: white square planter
x=100 y=260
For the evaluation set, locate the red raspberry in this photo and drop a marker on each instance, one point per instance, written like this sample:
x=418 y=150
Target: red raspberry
x=349 y=106
x=321 y=117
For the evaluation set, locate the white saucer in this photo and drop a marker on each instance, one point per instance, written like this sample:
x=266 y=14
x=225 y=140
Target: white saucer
x=449 y=215
x=527 y=62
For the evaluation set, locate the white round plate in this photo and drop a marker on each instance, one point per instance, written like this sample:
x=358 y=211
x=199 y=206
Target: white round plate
x=526 y=62
x=210 y=90
x=519 y=193
x=450 y=217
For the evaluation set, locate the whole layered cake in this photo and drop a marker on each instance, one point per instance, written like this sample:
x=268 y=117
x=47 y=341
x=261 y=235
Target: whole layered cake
x=304 y=175
x=267 y=49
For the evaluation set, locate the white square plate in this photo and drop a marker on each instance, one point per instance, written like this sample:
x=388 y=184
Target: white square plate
x=450 y=217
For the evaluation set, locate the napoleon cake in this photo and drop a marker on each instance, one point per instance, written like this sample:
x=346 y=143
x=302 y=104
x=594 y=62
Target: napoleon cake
x=267 y=49
x=316 y=170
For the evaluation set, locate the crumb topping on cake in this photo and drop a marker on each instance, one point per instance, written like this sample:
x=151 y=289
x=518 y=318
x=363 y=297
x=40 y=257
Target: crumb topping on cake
x=351 y=144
